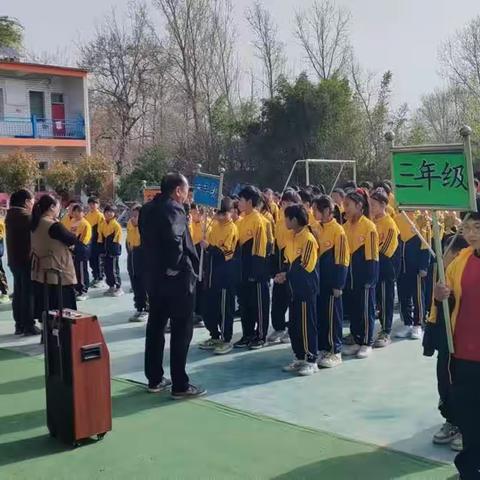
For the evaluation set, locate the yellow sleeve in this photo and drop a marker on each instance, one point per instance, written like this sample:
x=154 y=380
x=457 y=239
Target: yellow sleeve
x=342 y=250
x=230 y=244
x=310 y=256
x=118 y=233
x=2 y=230
x=260 y=240
x=86 y=235
x=371 y=246
x=391 y=243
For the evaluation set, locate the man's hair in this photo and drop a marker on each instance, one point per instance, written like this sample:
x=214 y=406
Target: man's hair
x=299 y=213
x=251 y=193
x=20 y=197
x=93 y=200
x=171 y=181
x=290 y=195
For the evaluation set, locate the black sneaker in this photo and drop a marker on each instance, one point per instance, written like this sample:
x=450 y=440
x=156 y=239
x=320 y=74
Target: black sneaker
x=30 y=332
x=159 y=387
x=191 y=392
x=18 y=330
x=256 y=344
x=242 y=343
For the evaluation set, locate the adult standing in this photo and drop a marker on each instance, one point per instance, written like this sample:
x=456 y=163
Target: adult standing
x=170 y=274
x=17 y=223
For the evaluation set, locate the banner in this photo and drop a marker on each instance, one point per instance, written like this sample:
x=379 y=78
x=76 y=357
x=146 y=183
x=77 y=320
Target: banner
x=206 y=190
x=439 y=179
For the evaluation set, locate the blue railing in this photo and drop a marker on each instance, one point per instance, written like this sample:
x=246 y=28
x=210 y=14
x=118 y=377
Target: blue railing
x=35 y=127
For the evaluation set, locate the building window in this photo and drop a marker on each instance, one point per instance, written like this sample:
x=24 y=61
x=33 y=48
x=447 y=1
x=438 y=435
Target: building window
x=57 y=98
x=37 y=104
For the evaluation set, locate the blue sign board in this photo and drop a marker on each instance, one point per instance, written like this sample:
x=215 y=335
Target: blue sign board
x=206 y=190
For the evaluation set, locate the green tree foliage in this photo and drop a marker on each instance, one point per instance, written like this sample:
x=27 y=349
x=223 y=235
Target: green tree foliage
x=150 y=166
x=19 y=170
x=11 y=32
x=93 y=172
x=62 y=177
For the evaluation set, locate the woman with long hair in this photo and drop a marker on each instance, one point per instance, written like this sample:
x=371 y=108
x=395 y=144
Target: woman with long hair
x=51 y=250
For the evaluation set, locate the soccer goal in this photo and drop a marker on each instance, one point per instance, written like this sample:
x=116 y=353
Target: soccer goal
x=329 y=177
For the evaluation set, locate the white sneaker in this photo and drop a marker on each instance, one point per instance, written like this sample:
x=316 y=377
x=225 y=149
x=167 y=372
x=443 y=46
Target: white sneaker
x=321 y=354
x=5 y=299
x=446 y=434
x=307 y=369
x=143 y=316
x=457 y=443
x=223 y=348
x=276 y=336
x=404 y=332
x=383 y=340
x=81 y=298
x=350 y=350
x=109 y=292
x=364 y=351
x=285 y=338
x=330 y=360
x=417 y=333
x=294 y=367
x=118 y=292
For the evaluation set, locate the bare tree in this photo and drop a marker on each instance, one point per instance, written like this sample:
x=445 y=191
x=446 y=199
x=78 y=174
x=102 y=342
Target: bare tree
x=269 y=49
x=460 y=57
x=121 y=58
x=323 y=32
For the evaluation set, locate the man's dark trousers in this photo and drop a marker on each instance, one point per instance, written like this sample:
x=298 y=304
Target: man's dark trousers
x=22 y=304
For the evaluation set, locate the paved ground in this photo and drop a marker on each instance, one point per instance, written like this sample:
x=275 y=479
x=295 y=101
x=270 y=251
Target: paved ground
x=388 y=400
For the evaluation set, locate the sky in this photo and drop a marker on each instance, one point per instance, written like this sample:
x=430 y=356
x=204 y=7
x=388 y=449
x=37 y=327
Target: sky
x=398 y=35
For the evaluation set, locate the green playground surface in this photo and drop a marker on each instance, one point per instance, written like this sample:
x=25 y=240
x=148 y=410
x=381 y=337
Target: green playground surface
x=154 y=437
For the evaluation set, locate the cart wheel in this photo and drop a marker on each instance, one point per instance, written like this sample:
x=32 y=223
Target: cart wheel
x=100 y=436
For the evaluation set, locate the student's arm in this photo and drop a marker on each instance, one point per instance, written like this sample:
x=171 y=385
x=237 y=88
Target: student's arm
x=342 y=261
x=390 y=244
x=259 y=250
x=230 y=244
x=371 y=257
x=58 y=232
x=86 y=235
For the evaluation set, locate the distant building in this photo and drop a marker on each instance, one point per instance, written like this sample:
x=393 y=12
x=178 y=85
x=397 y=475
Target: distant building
x=44 y=110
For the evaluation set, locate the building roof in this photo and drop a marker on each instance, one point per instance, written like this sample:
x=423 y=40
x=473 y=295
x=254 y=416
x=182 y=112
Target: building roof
x=37 y=68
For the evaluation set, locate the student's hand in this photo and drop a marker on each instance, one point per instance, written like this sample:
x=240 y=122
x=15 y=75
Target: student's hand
x=280 y=277
x=422 y=273
x=441 y=292
x=337 y=293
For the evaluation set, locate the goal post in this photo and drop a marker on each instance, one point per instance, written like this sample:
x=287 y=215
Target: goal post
x=310 y=161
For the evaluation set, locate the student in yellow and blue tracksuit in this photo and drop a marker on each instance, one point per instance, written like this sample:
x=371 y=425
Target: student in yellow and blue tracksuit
x=136 y=267
x=223 y=276
x=389 y=267
x=359 y=295
x=81 y=253
x=334 y=259
x=110 y=238
x=301 y=253
x=95 y=217
x=254 y=291
x=280 y=291
x=461 y=289
x=414 y=262
x=270 y=199
x=307 y=198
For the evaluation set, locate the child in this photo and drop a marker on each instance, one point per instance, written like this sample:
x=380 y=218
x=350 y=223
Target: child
x=68 y=216
x=270 y=202
x=333 y=267
x=415 y=259
x=83 y=231
x=135 y=266
x=435 y=339
x=388 y=234
x=254 y=292
x=109 y=239
x=222 y=278
x=462 y=281
x=359 y=299
x=301 y=253
x=95 y=218
x=4 y=298
x=280 y=291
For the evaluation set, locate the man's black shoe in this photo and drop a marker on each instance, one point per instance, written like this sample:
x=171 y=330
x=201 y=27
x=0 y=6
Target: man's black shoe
x=159 y=387
x=30 y=332
x=18 y=330
x=256 y=344
x=242 y=343
x=191 y=392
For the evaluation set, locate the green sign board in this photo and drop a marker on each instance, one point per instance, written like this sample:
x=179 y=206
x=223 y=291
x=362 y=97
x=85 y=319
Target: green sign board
x=435 y=180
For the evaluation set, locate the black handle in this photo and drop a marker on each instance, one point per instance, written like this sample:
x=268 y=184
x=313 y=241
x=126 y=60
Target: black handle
x=91 y=352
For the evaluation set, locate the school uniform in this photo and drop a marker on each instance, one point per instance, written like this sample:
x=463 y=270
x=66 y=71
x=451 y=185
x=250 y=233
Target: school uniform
x=254 y=291
x=339 y=214
x=389 y=268
x=109 y=239
x=334 y=259
x=414 y=258
x=136 y=267
x=95 y=219
x=81 y=253
x=280 y=291
x=359 y=293
x=301 y=253
x=275 y=211
x=463 y=277
x=3 y=277
x=223 y=275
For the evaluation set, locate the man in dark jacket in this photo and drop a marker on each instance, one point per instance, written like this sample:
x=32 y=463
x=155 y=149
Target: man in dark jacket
x=17 y=224
x=171 y=266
